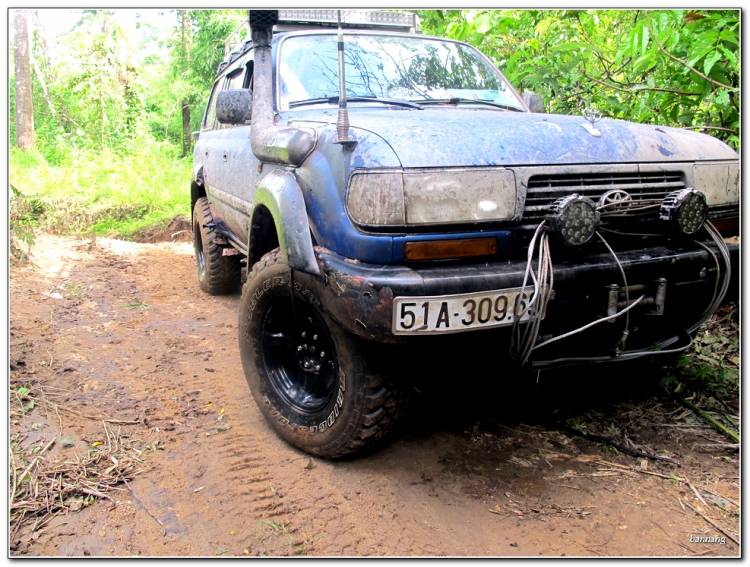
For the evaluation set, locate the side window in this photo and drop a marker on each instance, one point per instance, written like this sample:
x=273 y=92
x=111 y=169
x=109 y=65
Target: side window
x=209 y=122
x=236 y=79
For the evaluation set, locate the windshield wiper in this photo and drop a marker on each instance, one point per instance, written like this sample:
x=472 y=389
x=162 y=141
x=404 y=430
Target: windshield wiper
x=468 y=101
x=335 y=100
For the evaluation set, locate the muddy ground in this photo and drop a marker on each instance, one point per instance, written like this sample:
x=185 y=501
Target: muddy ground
x=488 y=462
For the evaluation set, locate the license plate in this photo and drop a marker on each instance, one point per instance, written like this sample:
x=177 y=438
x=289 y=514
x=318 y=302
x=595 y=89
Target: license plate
x=456 y=313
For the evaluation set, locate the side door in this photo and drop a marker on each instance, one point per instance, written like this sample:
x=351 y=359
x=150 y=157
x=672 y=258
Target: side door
x=208 y=149
x=233 y=187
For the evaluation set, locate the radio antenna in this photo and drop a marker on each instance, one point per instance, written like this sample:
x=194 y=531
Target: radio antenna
x=342 y=123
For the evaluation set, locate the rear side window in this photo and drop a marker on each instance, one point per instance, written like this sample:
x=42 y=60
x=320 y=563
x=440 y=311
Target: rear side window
x=209 y=121
x=236 y=79
x=240 y=78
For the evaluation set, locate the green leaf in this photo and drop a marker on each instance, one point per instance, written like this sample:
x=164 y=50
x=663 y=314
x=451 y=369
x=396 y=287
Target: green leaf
x=22 y=391
x=543 y=27
x=635 y=40
x=729 y=55
x=709 y=61
x=730 y=36
x=483 y=24
x=570 y=46
x=722 y=99
x=644 y=62
x=645 y=37
x=703 y=44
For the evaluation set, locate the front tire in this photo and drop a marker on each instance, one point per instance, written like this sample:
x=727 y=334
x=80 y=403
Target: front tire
x=316 y=384
x=217 y=274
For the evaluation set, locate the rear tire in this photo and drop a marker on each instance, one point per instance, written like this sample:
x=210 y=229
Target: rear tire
x=217 y=274
x=316 y=384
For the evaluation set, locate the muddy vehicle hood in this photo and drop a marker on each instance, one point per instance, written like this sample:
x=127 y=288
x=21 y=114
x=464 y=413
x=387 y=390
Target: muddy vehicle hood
x=445 y=137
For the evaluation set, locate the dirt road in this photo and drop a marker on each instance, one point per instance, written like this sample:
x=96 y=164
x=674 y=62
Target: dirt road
x=482 y=467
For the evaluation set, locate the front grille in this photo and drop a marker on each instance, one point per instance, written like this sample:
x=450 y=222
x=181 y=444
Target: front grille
x=544 y=190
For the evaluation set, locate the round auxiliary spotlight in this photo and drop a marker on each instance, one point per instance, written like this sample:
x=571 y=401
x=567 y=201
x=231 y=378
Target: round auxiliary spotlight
x=574 y=219
x=685 y=209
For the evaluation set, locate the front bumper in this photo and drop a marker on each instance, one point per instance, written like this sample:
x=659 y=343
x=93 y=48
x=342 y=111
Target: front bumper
x=360 y=296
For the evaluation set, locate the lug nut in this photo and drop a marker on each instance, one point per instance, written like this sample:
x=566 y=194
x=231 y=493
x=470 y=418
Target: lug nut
x=317 y=368
x=315 y=337
x=300 y=348
x=322 y=354
x=304 y=334
x=312 y=350
x=307 y=364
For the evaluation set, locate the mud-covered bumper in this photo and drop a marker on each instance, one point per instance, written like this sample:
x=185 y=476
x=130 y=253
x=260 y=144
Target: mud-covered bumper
x=360 y=296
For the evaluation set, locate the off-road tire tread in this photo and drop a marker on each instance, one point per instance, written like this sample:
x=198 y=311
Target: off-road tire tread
x=223 y=273
x=381 y=402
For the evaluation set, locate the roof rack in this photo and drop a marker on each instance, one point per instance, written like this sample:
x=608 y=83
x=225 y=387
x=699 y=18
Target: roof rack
x=399 y=21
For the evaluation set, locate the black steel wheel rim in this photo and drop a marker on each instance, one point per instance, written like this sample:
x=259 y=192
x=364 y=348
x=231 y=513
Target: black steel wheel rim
x=199 y=256
x=299 y=356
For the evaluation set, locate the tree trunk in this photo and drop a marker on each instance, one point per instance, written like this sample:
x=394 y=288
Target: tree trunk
x=186 y=134
x=24 y=104
x=186 y=137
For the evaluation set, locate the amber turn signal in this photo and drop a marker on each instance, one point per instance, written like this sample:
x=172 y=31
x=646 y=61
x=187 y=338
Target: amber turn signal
x=445 y=249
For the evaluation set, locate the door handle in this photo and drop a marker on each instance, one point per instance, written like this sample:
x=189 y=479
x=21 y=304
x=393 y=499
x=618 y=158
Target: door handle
x=225 y=154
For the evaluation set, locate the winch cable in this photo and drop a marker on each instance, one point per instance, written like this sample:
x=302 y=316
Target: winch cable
x=626 y=332
x=628 y=307
x=718 y=298
x=545 y=273
x=521 y=346
x=660 y=346
x=573 y=332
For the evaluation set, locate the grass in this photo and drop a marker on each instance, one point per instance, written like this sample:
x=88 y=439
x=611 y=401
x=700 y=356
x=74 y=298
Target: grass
x=106 y=193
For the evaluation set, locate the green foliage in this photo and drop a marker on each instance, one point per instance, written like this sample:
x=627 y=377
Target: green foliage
x=105 y=192
x=670 y=67
x=21 y=226
x=187 y=74
x=95 y=89
x=712 y=365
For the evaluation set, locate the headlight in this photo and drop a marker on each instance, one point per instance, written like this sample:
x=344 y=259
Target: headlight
x=574 y=219
x=686 y=209
x=719 y=182
x=396 y=198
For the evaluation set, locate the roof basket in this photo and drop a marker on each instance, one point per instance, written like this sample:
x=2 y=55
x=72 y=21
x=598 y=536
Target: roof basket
x=401 y=21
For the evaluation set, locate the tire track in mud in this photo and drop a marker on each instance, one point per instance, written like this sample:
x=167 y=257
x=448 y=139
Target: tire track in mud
x=224 y=483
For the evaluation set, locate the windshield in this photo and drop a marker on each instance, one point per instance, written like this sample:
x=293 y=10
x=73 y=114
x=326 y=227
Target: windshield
x=404 y=68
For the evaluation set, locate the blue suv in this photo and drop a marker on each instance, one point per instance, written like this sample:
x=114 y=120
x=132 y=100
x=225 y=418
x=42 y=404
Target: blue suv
x=373 y=186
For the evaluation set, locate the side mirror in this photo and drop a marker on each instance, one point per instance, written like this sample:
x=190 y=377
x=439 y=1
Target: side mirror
x=533 y=101
x=195 y=136
x=234 y=106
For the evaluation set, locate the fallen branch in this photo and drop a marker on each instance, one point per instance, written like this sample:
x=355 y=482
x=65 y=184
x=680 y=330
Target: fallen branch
x=707 y=417
x=725 y=446
x=108 y=419
x=720 y=496
x=619 y=446
x=698 y=494
x=144 y=505
x=710 y=521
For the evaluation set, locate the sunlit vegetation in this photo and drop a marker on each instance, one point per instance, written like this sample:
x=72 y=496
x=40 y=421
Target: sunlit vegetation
x=674 y=67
